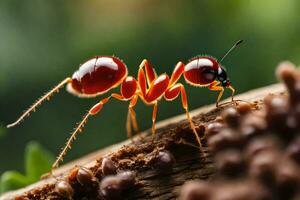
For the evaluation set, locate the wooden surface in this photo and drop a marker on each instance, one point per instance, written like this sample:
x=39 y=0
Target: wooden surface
x=189 y=164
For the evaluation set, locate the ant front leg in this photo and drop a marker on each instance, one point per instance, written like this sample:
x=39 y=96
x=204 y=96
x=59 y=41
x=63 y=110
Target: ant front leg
x=214 y=87
x=232 y=92
x=185 y=106
x=171 y=94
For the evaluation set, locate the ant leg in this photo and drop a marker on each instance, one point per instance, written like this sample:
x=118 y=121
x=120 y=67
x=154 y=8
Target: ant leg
x=185 y=106
x=70 y=141
x=40 y=101
x=128 y=119
x=93 y=111
x=232 y=92
x=128 y=126
x=184 y=142
x=150 y=71
x=133 y=114
x=154 y=118
x=142 y=81
x=214 y=87
x=171 y=94
x=131 y=117
x=144 y=78
x=177 y=72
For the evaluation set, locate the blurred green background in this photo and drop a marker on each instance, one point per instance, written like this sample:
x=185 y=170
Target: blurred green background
x=42 y=42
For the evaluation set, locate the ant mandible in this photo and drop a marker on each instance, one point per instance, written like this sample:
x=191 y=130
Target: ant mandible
x=103 y=73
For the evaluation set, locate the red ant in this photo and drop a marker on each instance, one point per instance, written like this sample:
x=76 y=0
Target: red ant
x=102 y=73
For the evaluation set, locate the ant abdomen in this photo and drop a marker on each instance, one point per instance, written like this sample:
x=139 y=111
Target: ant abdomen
x=97 y=75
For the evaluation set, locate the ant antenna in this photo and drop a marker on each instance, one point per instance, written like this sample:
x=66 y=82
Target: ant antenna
x=40 y=101
x=233 y=47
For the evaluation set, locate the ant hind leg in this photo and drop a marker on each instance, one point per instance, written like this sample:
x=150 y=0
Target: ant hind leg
x=93 y=111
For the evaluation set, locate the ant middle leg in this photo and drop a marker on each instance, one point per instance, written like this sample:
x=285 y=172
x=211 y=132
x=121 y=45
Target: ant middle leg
x=133 y=114
x=128 y=126
x=131 y=117
x=154 y=119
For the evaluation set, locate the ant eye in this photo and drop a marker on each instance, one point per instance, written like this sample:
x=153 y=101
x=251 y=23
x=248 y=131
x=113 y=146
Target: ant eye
x=208 y=74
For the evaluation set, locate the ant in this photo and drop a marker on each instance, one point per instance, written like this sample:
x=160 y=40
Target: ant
x=102 y=73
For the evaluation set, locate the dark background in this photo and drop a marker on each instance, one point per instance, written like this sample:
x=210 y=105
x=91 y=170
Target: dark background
x=42 y=42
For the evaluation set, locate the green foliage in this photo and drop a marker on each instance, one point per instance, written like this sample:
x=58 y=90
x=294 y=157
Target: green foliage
x=11 y=180
x=2 y=131
x=37 y=162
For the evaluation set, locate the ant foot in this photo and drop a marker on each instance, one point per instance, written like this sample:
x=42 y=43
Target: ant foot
x=152 y=138
x=141 y=137
x=47 y=175
x=132 y=140
x=234 y=102
x=183 y=141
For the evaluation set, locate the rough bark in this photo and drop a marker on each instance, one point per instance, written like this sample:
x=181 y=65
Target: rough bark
x=190 y=163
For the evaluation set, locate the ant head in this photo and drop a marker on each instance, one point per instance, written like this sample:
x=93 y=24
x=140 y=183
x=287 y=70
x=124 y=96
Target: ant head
x=223 y=78
x=201 y=70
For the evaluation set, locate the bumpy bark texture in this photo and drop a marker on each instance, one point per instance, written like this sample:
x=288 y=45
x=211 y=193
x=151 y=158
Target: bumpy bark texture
x=157 y=176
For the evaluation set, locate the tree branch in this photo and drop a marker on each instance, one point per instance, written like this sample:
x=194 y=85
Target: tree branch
x=139 y=156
